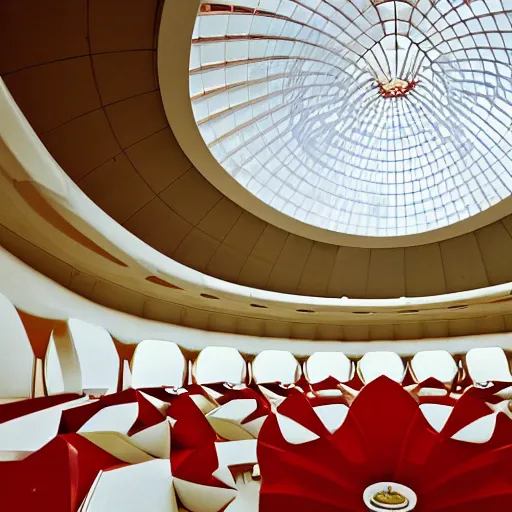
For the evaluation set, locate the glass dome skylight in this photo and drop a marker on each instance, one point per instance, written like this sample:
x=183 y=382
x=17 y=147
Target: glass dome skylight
x=367 y=117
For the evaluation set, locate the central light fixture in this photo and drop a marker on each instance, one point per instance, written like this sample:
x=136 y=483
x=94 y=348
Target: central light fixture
x=395 y=62
x=396 y=88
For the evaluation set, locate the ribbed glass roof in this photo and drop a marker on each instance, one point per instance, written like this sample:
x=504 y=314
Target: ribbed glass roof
x=367 y=117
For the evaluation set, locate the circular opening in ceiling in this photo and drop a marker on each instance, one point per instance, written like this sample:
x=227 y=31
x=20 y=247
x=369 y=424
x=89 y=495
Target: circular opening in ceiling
x=375 y=118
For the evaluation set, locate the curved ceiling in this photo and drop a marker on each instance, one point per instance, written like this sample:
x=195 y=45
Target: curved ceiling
x=84 y=74
x=372 y=118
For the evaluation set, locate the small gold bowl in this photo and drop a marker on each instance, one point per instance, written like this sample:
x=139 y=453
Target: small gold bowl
x=390 y=500
x=389 y=496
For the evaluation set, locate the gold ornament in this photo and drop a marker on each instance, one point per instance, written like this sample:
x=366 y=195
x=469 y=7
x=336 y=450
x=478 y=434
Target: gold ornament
x=390 y=499
x=395 y=88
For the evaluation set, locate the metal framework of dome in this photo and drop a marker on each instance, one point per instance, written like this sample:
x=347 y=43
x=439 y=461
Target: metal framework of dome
x=366 y=117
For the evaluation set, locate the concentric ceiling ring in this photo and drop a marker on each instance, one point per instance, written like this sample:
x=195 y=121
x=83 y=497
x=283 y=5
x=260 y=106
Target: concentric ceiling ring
x=368 y=117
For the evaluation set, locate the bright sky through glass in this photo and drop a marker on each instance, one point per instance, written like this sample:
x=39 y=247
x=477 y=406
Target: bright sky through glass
x=289 y=95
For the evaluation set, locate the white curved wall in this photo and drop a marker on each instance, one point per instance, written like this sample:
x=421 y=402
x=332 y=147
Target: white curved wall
x=50 y=300
x=82 y=357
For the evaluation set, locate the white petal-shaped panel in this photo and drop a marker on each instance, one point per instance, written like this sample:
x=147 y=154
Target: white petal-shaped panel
x=375 y=364
x=332 y=415
x=201 y=498
x=97 y=355
x=16 y=356
x=486 y=364
x=293 y=432
x=157 y=363
x=146 y=486
x=436 y=414
x=32 y=431
x=116 y=418
x=220 y=364
x=437 y=364
x=275 y=366
x=322 y=365
x=480 y=431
